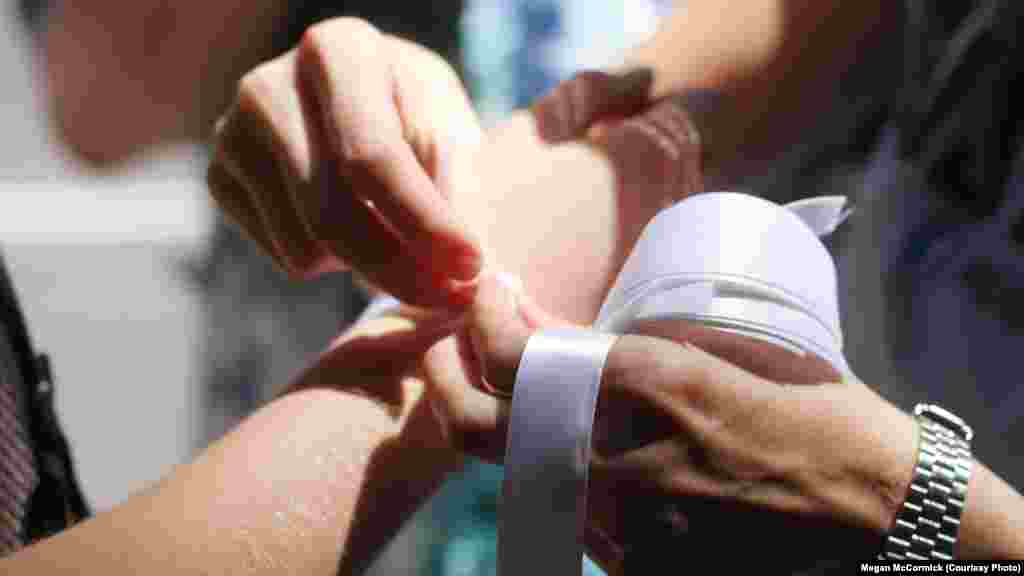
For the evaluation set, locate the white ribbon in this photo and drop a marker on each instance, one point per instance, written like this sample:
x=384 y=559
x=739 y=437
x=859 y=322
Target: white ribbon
x=544 y=490
x=733 y=261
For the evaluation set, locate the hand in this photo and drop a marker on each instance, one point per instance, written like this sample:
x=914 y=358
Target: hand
x=334 y=156
x=654 y=146
x=695 y=457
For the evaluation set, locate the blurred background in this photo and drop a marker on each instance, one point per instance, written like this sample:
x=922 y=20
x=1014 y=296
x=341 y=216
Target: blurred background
x=125 y=357
x=199 y=328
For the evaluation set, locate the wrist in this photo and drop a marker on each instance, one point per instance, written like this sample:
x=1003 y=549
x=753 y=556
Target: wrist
x=879 y=465
x=895 y=459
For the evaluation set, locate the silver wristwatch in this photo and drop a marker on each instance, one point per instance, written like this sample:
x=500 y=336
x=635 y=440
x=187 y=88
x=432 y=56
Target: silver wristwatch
x=926 y=525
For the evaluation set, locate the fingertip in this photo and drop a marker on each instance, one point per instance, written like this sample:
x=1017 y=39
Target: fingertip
x=314 y=267
x=328 y=263
x=468 y=261
x=462 y=244
x=463 y=292
x=497 y=331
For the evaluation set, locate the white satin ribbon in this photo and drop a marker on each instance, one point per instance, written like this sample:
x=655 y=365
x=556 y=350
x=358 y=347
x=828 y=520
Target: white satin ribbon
x=544 y=491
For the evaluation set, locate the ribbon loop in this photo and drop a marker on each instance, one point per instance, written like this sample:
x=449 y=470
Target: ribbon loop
x=548 y=452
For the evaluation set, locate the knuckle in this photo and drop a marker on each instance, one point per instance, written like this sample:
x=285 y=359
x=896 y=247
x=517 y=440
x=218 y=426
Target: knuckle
x=256 y=90
x=263 y=124
x=313 y=41
x=318 y=39
x=362 y=150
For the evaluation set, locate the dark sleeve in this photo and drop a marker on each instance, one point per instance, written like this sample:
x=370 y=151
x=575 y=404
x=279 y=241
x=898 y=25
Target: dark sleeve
x=957 y=116
x=57 y=500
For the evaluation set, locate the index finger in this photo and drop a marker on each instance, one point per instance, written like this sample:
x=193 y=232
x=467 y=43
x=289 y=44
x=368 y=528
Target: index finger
x=354 y=88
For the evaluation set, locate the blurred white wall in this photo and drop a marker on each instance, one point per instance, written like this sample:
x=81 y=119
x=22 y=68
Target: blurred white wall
x=95 y=262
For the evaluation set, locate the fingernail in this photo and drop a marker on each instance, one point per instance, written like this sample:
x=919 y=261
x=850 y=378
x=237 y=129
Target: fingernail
x=480 y=364
x=520 y=301
x=464 y=291
x=469 y=271
x=488 y=384
x=466 y=256
x=526 y=309
x=468 y=263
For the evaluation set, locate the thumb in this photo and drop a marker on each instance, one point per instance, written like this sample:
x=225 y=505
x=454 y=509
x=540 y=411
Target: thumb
x=500 y=322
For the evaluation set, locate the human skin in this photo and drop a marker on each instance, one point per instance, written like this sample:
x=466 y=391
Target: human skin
x=760 y=71
x=313 y=483
x=299 y=515
x=291 y=488
x=320 y=478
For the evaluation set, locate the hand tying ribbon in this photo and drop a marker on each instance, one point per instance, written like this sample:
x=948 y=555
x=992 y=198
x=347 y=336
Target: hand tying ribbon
x=735 y=304
x=691 y=454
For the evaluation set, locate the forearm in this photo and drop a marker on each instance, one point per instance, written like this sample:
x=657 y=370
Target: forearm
x=314 y=483
x=992 y=525
x=560 y=217
x=775 y=63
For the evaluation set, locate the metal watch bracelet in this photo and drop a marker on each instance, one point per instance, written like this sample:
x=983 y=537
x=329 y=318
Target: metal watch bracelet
x=926 y=526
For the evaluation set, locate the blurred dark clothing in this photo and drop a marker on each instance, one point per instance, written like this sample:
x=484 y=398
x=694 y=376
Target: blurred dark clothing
x=39 y=492
x=951 y=176
x=931 y=263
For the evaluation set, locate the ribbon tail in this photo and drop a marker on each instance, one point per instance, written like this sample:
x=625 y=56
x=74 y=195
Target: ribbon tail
x=543 y=506
x=822 y=214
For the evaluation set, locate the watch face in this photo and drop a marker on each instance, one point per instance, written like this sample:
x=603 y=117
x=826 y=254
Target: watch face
x=946 y=418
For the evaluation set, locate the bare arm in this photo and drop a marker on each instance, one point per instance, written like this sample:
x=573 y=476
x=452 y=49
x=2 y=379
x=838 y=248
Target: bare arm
x=776 y=64
x=992 y=525
x=314 y=483
x=550 y=216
